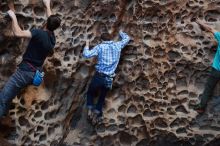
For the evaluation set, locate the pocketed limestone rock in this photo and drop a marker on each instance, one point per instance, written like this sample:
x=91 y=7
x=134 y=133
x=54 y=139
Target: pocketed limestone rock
x=160 y=76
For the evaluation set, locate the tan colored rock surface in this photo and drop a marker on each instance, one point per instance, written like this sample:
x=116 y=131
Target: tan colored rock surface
x=161 y=74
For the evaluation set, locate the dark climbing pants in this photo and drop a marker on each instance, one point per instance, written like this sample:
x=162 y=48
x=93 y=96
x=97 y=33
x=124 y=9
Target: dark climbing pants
x=211 y=82
x=16 y=82
x=102 y=84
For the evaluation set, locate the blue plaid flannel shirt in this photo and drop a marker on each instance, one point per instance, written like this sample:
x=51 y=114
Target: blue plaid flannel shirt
x=108 y=54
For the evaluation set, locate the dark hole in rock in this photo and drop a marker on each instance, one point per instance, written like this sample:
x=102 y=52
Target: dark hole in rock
x=23 y=121
x=160 y=122
x=122 y=108
x=50 y=130
x=173 y=56
x=50 y=115
x=45 y=105
x=182 y=109
x=125 y=138
x=143 y=142
x=42 y=137
x=101 y=128
x=38 y=114
x=40 y=128
x=179 y=122
x=181 y=130
x=132 y=109
x=112 y=127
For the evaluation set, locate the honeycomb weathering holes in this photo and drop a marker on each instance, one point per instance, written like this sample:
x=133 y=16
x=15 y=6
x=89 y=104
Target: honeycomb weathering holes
x=161 y=73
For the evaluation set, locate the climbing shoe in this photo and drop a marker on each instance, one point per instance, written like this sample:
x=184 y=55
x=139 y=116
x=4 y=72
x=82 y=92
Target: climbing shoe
x=89 y=114
x=97 y=117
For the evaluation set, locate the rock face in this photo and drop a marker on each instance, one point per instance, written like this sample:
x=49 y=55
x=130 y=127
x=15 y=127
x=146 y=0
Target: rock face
x=160 y=75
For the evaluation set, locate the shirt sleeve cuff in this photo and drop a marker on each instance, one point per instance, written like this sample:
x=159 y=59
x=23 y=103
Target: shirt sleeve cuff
x=121 y=33
x=86 y=48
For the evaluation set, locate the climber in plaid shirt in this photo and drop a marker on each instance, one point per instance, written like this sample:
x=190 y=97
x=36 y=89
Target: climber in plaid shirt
x=108 y=55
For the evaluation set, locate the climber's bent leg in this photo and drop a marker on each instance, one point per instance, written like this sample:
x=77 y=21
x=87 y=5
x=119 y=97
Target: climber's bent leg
x=101 y=100
x=105 y=87
x=16 y=82
x=212 y=80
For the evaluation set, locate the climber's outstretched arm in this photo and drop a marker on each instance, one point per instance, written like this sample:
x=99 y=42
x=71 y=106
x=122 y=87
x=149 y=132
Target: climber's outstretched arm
x=88 y=53
x=11 y=5
x=205 y=26
x=16 y=28
x=48 y=9
x=210 y=29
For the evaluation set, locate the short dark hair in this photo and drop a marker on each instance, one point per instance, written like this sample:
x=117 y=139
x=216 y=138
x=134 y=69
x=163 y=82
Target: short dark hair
x=53 y=22
x=106 y=37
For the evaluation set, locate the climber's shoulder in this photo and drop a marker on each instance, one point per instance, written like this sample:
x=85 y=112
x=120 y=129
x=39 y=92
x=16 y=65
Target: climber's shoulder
x=36 y=32
x=23 y=34
x=217 y=35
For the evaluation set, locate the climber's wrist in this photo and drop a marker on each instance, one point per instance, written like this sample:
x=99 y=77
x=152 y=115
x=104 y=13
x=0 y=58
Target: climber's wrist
x=11 y=14
x=87 y=43
x=46 y=3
